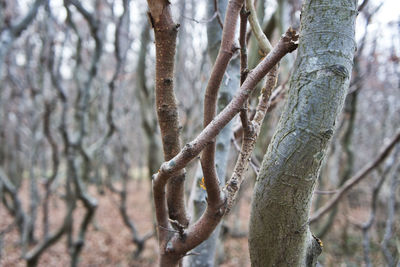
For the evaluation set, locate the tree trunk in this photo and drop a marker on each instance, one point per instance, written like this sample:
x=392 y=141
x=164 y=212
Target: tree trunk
x=279 y=232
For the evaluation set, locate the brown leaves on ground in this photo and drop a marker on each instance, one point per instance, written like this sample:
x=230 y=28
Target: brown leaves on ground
x=108 y=241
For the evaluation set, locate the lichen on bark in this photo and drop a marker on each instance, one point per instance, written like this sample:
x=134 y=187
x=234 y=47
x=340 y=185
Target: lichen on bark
x=279 y=231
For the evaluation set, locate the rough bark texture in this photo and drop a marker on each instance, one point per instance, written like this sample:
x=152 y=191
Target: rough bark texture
x=175 y=244
x=165 y=32
x=279 y=231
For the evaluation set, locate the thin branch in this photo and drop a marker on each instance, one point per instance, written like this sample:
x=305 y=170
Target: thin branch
x=250 y=134
x=219 y=18
x=82 y=105
x=215 y=15
x=360 y=175
x=16 y=209
x=325 y=192
x=165 y=32
x=120 y=53
x=202 y=228
x=362 y=5
x=251 y=129
x=366 y=226
x=136 y=238
x=26 y=21
x=263 y=41
x=243 y=61
x=225 y=54
x=48 y=109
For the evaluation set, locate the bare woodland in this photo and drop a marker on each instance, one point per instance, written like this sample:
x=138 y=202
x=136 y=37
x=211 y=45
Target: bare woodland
x=199 y=133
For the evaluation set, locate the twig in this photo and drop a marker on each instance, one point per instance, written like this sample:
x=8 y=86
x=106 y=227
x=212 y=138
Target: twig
x=218 y=14
x=324 y=192
x=356 y=179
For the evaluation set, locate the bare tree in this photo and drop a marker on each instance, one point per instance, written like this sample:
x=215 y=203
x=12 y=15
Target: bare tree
x=174 y=246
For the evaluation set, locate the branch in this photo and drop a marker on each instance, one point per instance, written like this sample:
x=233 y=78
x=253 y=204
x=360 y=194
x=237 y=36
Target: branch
x=225 y=53
x=24 y=23
x=254 y=163
x=218 y=14
x=191 y=150
x=136 y=238
x=251 y=129
x=171 y=203
x=17 y=210
x=366 y=226
x=243 y=61
x=355 y=179
x=250 y=135
x=48 y=110
x=202 y=228
x=263 y=41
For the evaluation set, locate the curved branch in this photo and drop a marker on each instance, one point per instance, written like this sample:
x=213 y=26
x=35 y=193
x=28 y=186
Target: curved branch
x=225 y=54
x=198 y=232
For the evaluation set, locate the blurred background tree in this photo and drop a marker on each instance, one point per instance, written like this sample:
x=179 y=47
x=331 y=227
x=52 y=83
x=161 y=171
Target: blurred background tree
x=76 y=81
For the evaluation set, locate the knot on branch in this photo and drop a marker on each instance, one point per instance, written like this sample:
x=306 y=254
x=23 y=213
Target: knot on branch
x=176 y=28
x=179 y=228
x=245 y=72
x=290 y=38
x=245 y=13
x=235 y=48
x=188 y=150
x=232 y=186
x=339 y=70
x=166 y=167
x=167 y=81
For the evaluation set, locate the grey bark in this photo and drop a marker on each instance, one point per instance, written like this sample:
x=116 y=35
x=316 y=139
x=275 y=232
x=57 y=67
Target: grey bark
x=9 y=34
x=279 y=233
x=230 y=84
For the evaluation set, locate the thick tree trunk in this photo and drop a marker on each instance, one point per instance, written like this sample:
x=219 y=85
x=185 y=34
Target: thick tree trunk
x=279 y=231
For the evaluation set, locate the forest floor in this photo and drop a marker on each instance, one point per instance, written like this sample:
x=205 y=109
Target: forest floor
x=108 y=241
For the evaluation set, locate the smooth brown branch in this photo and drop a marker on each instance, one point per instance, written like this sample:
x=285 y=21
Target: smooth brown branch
x=165 y=32
x=225 y=54
x=207 y=223
x=250 y=134
x=287 y=44
x=355 y=179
